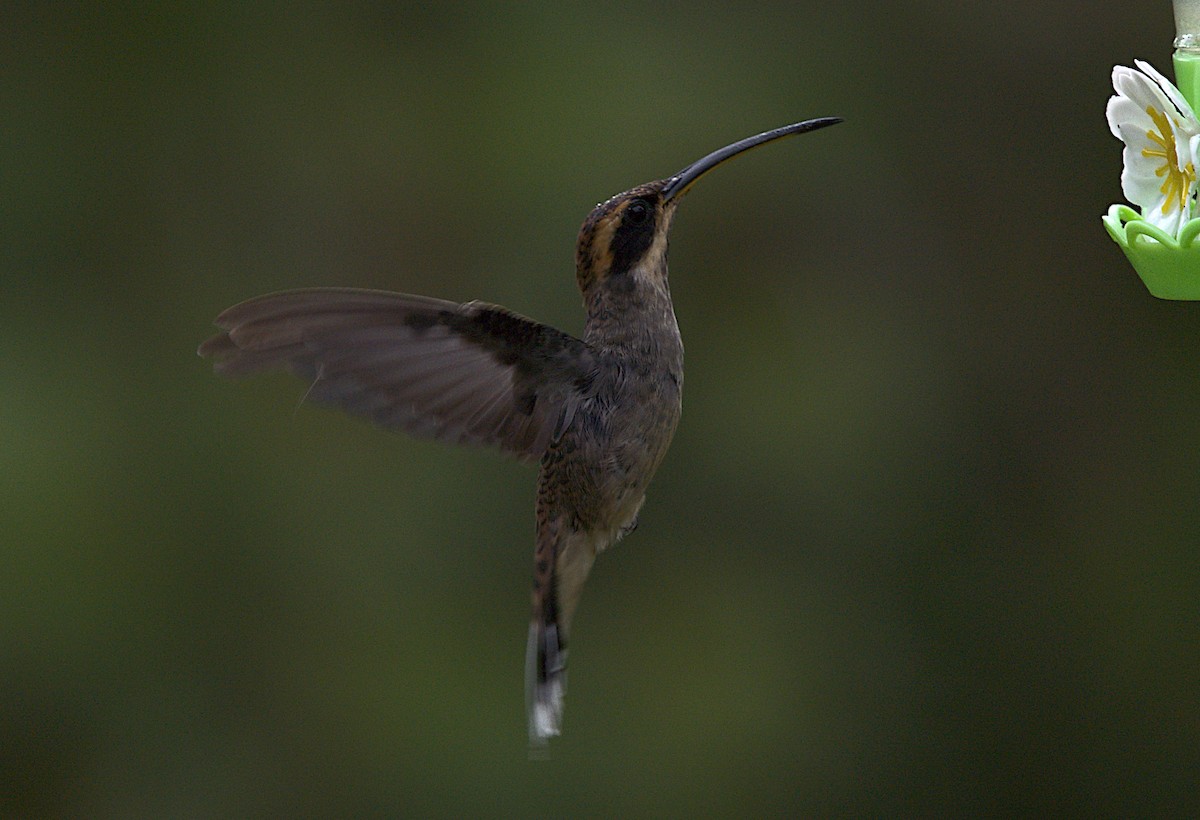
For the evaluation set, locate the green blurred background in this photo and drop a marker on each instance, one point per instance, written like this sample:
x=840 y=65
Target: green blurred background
x=927 y=541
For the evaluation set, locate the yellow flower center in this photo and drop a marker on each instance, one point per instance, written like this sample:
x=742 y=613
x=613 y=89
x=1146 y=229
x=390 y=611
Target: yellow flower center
x=1177 y=181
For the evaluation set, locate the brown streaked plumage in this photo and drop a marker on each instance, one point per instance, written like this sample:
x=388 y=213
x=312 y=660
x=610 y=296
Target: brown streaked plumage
x=597 y=412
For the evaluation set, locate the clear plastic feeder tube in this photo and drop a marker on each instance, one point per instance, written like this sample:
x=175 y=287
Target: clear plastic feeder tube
x=1187 y=49
x=1187 y=24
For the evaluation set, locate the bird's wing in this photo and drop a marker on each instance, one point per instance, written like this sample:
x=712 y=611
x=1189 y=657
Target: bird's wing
x=463 y=373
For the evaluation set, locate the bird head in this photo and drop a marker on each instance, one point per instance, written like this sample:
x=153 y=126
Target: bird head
x=623 y=242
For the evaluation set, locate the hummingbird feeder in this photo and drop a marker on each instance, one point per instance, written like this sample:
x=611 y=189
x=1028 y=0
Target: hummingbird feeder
x=1156 y=121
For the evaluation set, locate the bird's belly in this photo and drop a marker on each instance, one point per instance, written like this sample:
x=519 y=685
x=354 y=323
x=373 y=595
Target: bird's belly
x=627 y=474
x=602 y=469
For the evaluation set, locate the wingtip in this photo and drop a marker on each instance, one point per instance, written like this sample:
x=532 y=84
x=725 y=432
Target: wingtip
x=217 y=345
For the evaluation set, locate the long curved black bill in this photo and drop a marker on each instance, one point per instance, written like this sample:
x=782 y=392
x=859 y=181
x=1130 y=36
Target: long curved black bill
x=677 y=185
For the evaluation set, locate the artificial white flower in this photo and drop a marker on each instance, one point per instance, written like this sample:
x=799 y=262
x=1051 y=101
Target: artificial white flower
x=1161 y=136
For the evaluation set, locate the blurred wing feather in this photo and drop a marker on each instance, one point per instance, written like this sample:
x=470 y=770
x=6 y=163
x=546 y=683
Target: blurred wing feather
x=464 y=373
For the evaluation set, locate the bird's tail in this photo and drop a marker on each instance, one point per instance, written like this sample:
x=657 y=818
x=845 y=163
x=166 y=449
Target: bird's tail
x=545 y=680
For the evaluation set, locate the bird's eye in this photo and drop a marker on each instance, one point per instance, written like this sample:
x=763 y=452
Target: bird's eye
x=638 y=212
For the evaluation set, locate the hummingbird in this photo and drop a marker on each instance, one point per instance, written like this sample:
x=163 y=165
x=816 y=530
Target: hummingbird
x=596 y=412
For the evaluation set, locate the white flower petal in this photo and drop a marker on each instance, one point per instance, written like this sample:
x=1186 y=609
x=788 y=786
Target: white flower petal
x=1122 y=111
x=1171 y=92
x=1142 y=92
x=1183 y=149
x=1170 y=222
x=1140 y=187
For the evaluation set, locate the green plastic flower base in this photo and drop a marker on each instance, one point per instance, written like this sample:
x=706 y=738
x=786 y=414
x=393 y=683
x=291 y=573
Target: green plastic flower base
x=1169 y=267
